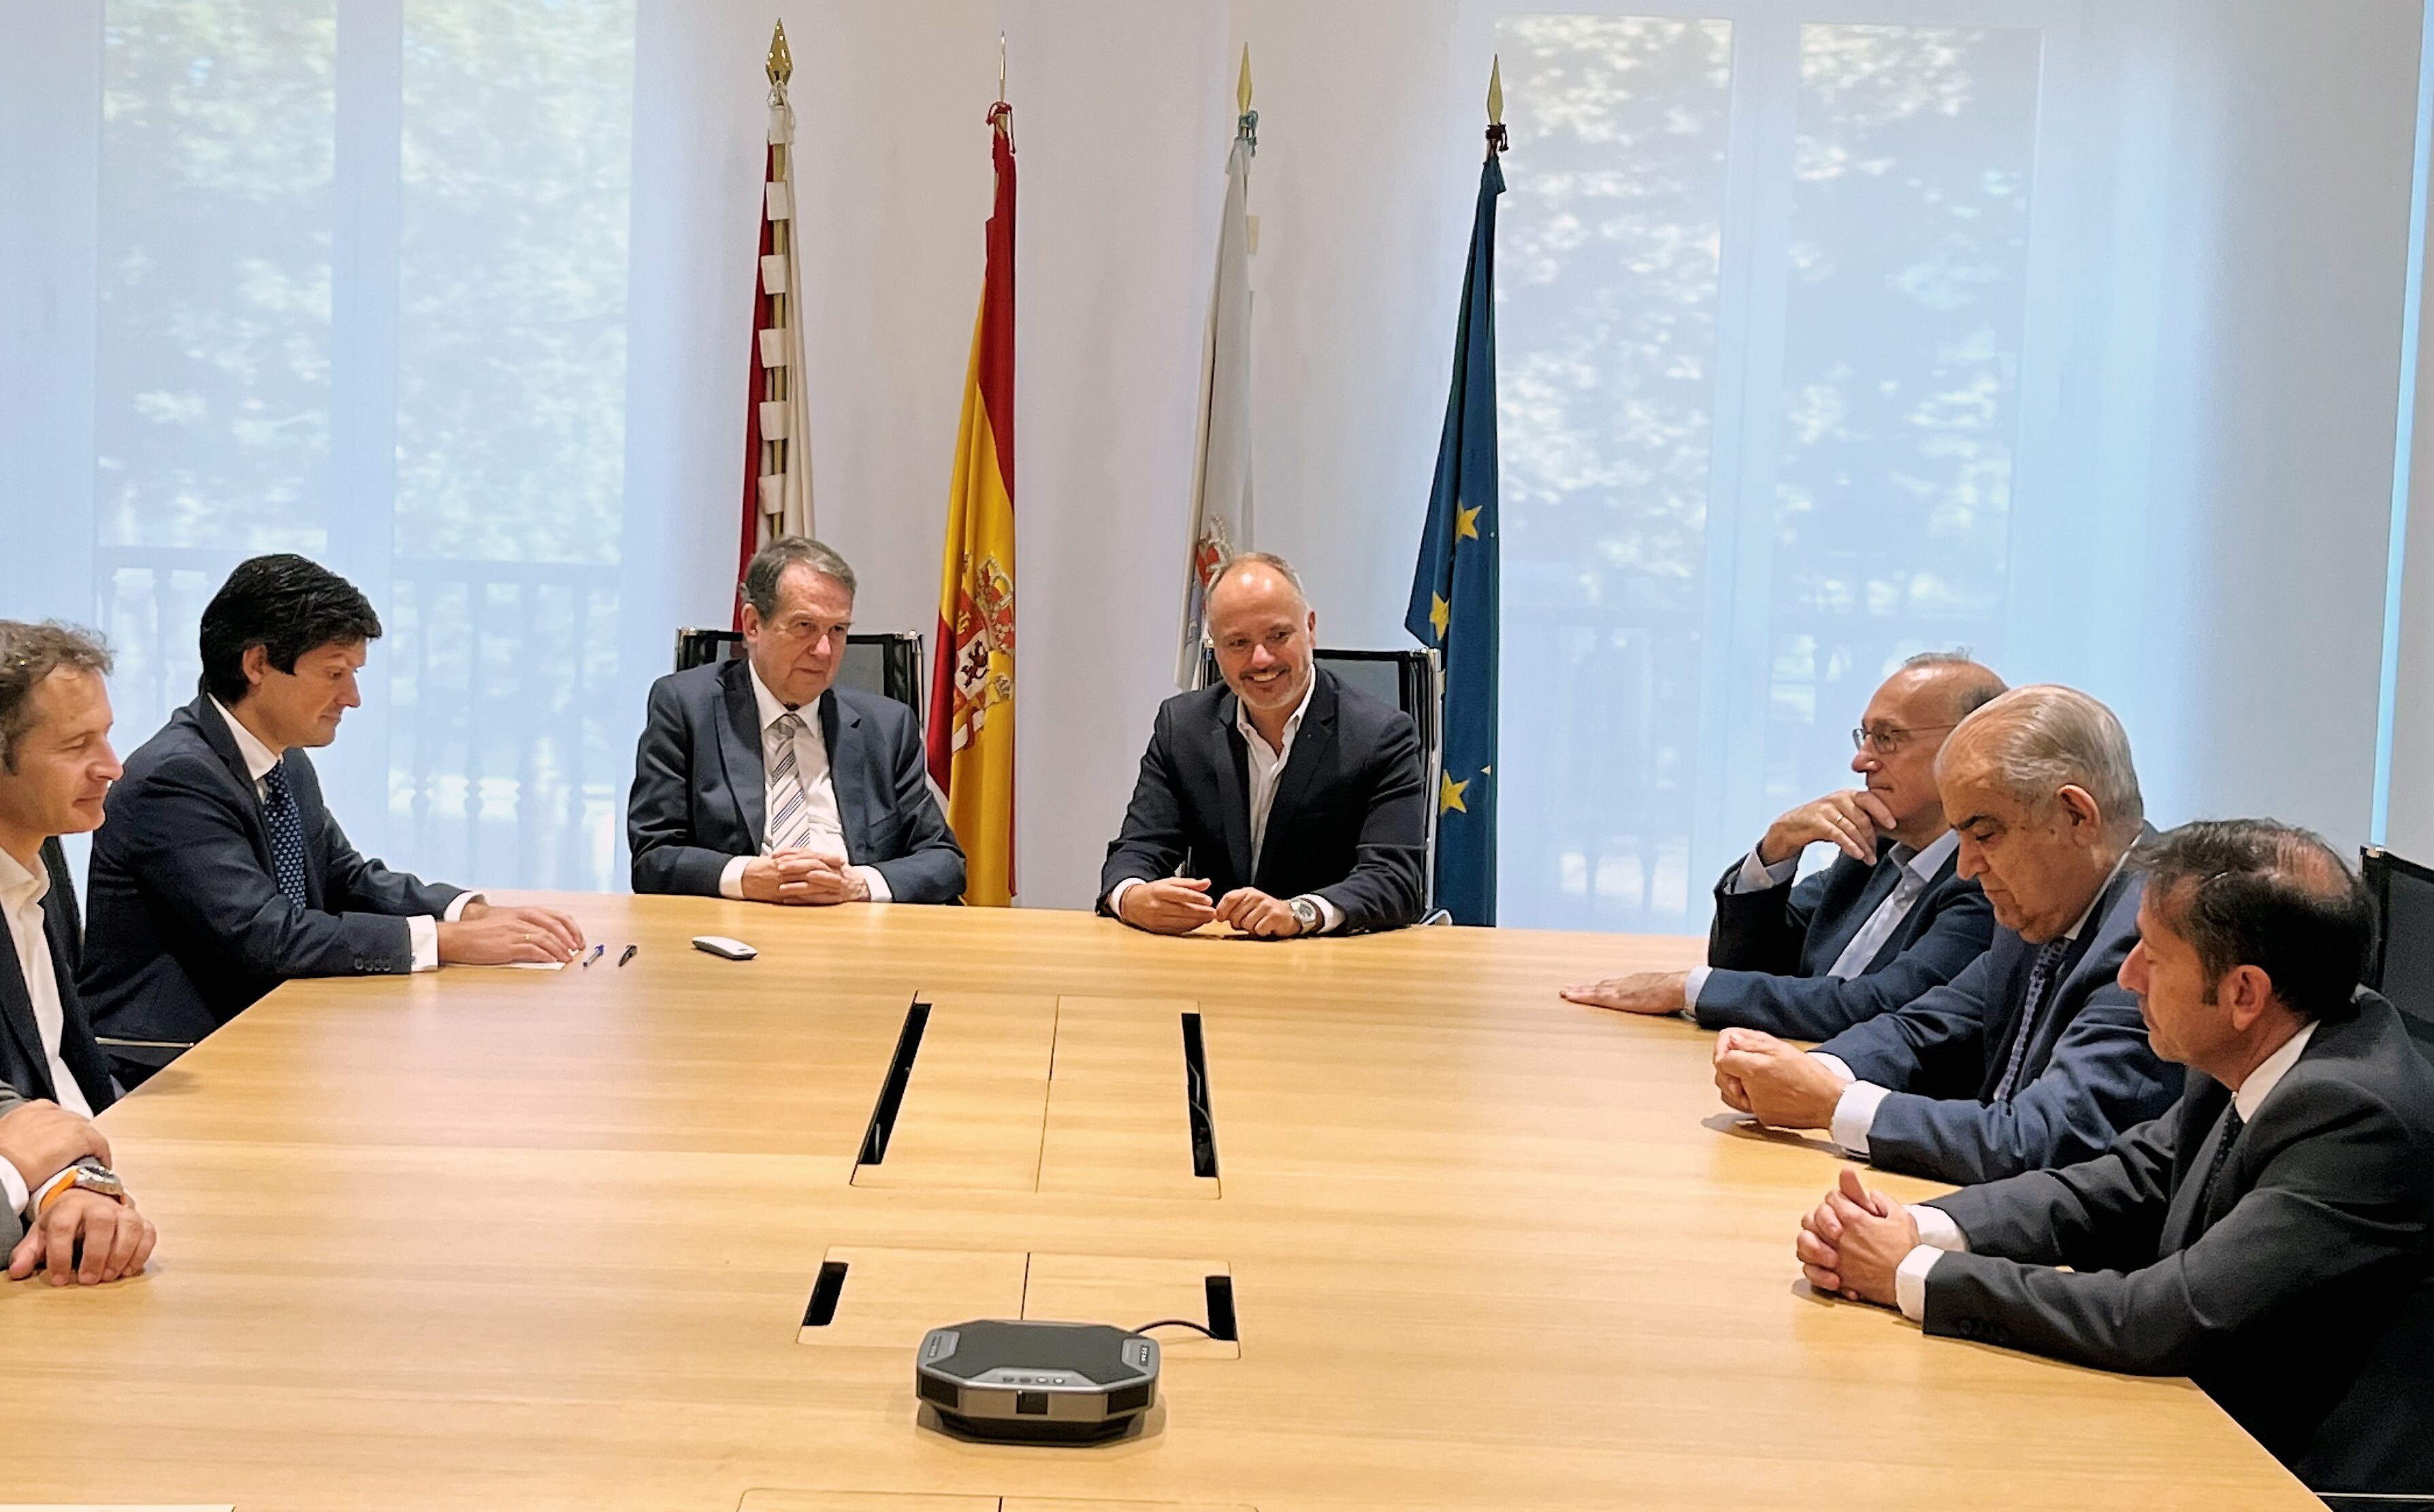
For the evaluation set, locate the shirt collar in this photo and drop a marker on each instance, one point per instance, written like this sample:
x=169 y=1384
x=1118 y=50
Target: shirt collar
x=771 y=709
x=259 y=758
x=2089 y=912
x=2270 y=1072
x=1293 y=725
x=19 y=888
x=1924 y=863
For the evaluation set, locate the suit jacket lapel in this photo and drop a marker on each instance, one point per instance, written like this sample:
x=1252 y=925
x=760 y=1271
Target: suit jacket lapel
x=17 y=1007
x=739 y=747
x=1314 y=746
x=1232 y=761
x=215 y=735
x=78 y=1050
x=2182 y=1216
x=841 y=731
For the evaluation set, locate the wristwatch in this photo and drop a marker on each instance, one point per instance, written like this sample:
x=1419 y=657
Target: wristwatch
x=98 y=1179
x=1306 y=913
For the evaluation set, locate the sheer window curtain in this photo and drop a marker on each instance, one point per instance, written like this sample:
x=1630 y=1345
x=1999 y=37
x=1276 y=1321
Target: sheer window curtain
x=1830 y=332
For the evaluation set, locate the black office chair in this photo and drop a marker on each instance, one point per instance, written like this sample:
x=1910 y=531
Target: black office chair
x=55 y=861
x=2401 y=966
x=885 y=663
x=1413 y=681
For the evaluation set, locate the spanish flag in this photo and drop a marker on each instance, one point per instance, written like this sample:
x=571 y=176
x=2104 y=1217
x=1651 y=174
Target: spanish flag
x=971 y=680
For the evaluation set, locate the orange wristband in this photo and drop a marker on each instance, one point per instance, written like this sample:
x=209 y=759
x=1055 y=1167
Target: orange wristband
x=60 y=1189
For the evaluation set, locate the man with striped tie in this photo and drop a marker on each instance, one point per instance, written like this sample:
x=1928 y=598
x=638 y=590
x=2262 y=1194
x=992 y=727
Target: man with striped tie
x=220 y=872
x=2272 y=1236
x=2034 y=1055
x=758 y=778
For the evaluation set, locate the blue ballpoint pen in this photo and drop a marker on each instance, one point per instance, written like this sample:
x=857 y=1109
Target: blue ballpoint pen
x=596 y=952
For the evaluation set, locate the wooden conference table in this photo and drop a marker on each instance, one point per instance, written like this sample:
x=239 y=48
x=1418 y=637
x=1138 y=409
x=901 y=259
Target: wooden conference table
x=503 y=1240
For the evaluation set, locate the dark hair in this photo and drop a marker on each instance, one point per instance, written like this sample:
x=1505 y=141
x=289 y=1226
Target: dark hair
x=2254 y=893
x=770 y=562
x=285 y=604
x=28 y=654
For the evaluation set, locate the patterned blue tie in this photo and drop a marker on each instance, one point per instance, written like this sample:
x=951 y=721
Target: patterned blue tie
x=2040 y=978
x=286 y=829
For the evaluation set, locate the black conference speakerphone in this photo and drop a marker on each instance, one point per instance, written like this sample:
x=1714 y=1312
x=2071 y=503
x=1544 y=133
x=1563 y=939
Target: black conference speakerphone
x=1036 y=1382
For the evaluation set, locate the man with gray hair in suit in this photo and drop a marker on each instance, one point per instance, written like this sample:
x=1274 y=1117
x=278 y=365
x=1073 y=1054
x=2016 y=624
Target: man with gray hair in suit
x=2034 y=1055
x=758 y=778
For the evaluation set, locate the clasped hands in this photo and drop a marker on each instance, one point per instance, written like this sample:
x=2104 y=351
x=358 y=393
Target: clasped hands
x=1853 y=1245
x=1178 y=905
x=1778 y=1085
x=81 y=1237
x=807 y=878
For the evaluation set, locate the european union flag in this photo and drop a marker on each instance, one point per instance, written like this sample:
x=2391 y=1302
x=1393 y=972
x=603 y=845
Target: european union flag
x=1453 y=590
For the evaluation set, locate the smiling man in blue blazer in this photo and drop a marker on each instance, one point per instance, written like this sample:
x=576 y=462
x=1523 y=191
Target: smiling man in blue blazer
x=757 y=778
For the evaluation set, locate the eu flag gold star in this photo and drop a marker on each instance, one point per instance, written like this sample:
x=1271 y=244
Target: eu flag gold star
x=1440 y=613
x=1466 y=522
x=1450 y=793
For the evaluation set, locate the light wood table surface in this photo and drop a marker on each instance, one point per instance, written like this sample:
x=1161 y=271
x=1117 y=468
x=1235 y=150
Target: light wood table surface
x=501 y=1240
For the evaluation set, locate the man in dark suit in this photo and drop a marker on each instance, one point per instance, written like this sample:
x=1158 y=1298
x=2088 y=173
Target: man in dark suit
x=758 y=778
x=56 y=768
x=1889 y=919
x=2272 y=1236
x=2034 y=1055
x=221 y=872
x=1297 y=801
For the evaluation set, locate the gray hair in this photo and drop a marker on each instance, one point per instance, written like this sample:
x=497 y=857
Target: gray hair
x=771 y=563
x=2044 y=738
x=1267 y=559
x=1979 y=685
x=28 y=654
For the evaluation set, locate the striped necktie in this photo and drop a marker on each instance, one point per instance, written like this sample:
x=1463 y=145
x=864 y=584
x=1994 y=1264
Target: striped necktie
x=2041 y=979
x=790 y=817
x=2232 y=1124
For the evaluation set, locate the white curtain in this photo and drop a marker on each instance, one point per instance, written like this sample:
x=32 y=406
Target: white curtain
x=1829 y=333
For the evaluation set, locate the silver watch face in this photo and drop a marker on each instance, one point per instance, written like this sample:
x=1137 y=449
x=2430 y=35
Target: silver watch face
x=103 y=1182
x=1306 y=912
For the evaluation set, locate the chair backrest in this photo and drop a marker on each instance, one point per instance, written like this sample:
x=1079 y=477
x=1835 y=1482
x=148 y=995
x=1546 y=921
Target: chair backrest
x=884 y=662
x=1413 y=681
x=2401 y=966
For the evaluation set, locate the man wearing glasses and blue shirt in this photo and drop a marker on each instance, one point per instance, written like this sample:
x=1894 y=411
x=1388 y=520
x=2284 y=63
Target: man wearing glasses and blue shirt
x=1887 y=921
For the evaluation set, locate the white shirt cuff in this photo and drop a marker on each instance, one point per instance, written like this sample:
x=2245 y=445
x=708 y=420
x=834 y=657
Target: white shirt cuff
x=878 y=892
x=12 y=1184
x=1691 y=986
x=1910 y=1280
x=464 y=900
x=1115 y=895
x=1331 y=918
x=731 y=879
x=1936 y=1228
x=422 y=933
x=1856 y=1114
x=1756 y=877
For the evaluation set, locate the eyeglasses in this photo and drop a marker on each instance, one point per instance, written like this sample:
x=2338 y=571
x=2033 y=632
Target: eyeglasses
x=1889 y=739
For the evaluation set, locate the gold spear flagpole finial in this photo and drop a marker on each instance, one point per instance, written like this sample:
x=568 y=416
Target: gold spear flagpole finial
x=1495 y=107
x=1242 y=89
x=782 y=62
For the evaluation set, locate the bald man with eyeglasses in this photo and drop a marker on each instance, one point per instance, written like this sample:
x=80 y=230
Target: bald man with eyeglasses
x=1887 y=921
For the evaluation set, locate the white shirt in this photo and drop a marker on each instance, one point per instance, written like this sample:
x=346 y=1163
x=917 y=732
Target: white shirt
x=21 y=899
x=819 y=788
x=1855 y=1112
x=1918 y=870
x=1938 y=1233
x=421 y=930
x=1267 y=770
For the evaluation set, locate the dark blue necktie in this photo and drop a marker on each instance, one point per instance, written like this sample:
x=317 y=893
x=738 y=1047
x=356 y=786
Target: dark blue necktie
x=279 y=816
x=2041 y=976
